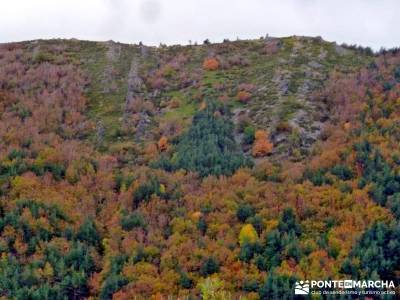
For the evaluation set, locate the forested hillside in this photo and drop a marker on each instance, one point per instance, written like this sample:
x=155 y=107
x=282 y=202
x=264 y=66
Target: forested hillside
x=213 y=171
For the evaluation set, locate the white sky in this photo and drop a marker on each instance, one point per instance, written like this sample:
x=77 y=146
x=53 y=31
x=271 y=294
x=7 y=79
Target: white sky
x=372 y=23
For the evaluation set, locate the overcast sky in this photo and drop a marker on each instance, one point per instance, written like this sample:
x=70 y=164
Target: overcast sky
x=372 y=23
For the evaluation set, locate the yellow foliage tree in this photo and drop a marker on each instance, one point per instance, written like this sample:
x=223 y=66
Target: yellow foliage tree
x=212 y=288
x=248 y=235
x=162 y=188
x=48 y=271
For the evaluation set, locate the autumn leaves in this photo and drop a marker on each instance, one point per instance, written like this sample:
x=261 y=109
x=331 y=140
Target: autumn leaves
x=262 y=145
x=210 y=64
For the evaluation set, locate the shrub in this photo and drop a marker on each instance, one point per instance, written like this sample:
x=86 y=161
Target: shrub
x=210 y=64
x=249 y=135
x=284 y=126
x=16 y=154
x=243 y=96
x=271 y=47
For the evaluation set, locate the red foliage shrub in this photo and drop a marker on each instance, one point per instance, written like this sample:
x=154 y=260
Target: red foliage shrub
x=272 y=46
x=243 y=96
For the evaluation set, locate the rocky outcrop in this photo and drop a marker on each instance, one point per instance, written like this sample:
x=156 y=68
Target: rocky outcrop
x=112 y=55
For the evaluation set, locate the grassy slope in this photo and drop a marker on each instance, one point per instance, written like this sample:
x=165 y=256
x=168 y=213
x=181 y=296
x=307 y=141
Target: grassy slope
x=302 y=64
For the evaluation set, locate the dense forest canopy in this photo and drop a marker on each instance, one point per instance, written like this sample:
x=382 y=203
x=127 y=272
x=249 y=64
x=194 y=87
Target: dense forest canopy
x=217 y=171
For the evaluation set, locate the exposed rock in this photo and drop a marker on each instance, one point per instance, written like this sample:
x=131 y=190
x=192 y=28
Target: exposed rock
x=314 y=64
x=113 y=54
x=135 y=82
x=114 y=51
x=144 y=122
x=135 y=92
x=279 y=138
x=305 y=88
x=239 y=112
x=282 y=80
x=100 y=133
x=341 y=50
x=323 y=54
x=144 y=51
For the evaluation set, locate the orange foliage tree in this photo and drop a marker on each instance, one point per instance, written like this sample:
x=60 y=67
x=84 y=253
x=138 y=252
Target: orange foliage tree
x=162 y=143
x=262 y=146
